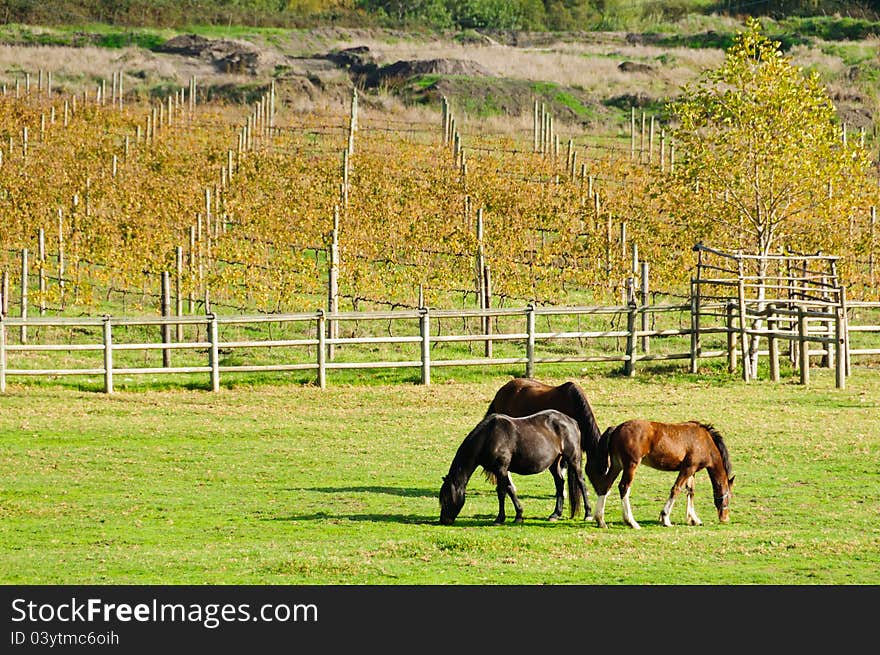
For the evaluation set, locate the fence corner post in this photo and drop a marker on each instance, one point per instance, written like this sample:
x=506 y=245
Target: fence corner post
x=322 y=349
x=695 y=328
x=108 y=355
x=629 y=367
x=425 y=329
x=214 y=352
x=731 y=340
x=530 y=341
x=773 y=342
x=803 y=345
x=842 y=350
x=2 y=354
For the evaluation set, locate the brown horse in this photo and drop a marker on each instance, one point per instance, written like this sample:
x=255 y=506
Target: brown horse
x=524 y=396
x=503 y=445
x=684 y=447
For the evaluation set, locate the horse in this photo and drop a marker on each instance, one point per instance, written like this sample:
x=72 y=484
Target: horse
x=524 y=396
x=526 y=445
x=684 y=447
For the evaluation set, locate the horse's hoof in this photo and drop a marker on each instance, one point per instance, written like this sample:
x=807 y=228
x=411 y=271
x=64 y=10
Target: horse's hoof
x=601 y=524
x=498 y=521
x=518 y=519
x=664 y=520
x=553 y=517
x=589 y=518
x=693 y=522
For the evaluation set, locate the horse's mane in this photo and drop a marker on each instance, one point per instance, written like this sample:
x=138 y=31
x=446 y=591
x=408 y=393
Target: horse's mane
x=586 y=419
x=722 y=448
x=456 y=468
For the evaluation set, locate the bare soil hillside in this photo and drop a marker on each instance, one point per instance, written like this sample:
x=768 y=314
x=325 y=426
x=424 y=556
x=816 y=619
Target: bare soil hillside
x=584 y=78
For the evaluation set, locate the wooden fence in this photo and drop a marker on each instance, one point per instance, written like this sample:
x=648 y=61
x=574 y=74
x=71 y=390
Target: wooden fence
x=798 y=327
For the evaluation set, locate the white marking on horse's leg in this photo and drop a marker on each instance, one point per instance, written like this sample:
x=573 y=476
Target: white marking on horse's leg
x=692 y=517
x=667 y=510
x=599 y=514
x=627 y=512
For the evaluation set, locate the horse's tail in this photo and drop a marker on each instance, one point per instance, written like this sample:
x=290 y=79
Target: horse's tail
x=585 y=417
x=603 y=449
x=574 y=489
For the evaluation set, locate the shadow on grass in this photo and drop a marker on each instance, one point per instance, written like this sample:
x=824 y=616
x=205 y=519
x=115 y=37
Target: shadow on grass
x=406 y=519
x=372 y=489
x=537 y=520
x=476 y=521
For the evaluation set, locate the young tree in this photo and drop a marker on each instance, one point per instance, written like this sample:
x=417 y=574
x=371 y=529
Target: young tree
x=762 y=163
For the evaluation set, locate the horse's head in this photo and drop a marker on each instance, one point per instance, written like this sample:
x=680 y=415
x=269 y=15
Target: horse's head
x=722 y=501
x=451 y=501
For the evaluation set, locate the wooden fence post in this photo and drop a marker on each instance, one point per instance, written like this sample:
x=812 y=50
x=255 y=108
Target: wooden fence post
x=42 y=270
x=108 y=355
x=629 y=367
x=214 y=352
x=2 y=355
x=840 y=368
x=61 y=257
x=731 y=340
x=744 y=337
x=178 y=298
x=646 y=343
x=166 y=314
x=804 y=346
x=845 y=329
x=425 y=329
x=773 y=342
x=487 y=303
x=333 y=281
x=695 y=328
x=4 y=293
x=24 y=292
x=322 y=349
x=530 y=341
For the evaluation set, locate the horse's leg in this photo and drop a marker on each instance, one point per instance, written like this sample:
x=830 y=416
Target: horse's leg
x=556 y=471
x=624 y=487
x=683 y=476
x=511 y=491
x=583 y=487
x=602 y=488
x=692 y=517
x=504 y=487
x=501 y=482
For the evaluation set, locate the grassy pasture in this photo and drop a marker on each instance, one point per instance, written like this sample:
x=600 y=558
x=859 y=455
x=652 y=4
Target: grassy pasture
x=290 y=484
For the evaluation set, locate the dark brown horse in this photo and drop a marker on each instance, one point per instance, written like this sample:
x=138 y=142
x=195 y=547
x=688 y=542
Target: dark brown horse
x=524 y=396
x=684 y=447
x=503 y=445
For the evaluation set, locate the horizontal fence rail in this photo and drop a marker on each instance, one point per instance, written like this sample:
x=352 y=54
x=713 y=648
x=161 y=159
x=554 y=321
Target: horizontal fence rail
x=804 y=328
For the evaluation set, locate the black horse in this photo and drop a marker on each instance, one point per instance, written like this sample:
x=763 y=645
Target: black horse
x=503 y=445
x=524 y=396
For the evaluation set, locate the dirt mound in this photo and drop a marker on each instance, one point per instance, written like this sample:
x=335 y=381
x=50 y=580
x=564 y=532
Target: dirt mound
x=406 y=69
x=399 y=72
x=226 y=56
x=188 y=45
x=634 y=67
x=362 y=67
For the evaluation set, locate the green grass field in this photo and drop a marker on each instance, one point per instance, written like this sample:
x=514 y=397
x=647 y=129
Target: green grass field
x=290 y=484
